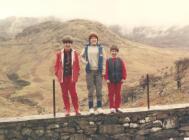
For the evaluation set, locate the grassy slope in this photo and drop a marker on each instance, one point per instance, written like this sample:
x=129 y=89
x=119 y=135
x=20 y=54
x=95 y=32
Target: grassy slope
x=32 y=60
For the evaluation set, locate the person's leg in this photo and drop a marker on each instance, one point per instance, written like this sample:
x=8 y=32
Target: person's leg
x=90 y=87
x=74 y=96
x=118 y=95
x=98 y=86
x=111 y=94
x=65 y=97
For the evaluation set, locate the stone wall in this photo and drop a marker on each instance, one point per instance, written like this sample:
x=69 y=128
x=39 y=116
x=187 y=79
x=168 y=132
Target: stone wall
x=146 y=125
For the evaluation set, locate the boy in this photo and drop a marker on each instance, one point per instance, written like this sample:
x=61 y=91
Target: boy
x=93 y=56
x=67 y=71
x=115 y=76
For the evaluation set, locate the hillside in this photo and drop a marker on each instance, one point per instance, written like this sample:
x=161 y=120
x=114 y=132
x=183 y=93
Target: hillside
x=163 y=86
x=11 y=26
x=27 y=66
x=170 y=37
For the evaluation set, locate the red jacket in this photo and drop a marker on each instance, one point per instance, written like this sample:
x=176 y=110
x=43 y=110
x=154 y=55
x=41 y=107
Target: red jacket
x=124 y=71
x=59 y=66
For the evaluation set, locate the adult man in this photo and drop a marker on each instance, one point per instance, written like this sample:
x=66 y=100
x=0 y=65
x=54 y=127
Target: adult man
x=67 y=71
x=93 y=55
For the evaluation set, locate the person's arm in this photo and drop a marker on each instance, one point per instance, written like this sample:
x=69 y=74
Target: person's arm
x=83 y=60
x=104 y=61
x=77 y=61
x=106 y=73
x=57 y=62
x=124 y=70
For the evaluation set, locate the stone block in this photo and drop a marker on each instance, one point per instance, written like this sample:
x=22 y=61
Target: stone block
x=170 y=123
x=26 y=131
x=2 y=137
x=78 y=137
x=111 y=129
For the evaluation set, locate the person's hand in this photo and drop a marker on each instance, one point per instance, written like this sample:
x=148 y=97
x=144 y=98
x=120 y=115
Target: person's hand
x=108 y=81
x=123 y=81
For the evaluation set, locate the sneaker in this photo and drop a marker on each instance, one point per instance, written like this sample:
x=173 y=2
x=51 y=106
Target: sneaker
x=118 y=110
x=112 y=110
x=77 y=113
x=67 y=113
x=100 y=110
x=91 y=111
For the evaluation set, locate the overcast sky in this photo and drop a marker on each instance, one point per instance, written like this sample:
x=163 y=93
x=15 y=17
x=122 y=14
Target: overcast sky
x=123 y=12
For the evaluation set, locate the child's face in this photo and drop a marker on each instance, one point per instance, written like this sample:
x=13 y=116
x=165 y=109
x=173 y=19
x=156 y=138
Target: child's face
x=114 y=53
x=93 y=40
x=67 y=45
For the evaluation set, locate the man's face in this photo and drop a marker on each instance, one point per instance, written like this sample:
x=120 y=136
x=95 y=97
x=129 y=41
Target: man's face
x=67 y=45
x=93 y=40
x=114 y=53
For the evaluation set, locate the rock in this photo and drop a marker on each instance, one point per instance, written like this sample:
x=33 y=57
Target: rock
x=158 y=123
x=1 y=131
x=150 y=119
x=170 y=123
x=53 y=126
x=184 y=128
x=122 y=137
x=186 y=134
x=185 y=119
x=26 y=131
x=65 y=124
x=68 y=130
x=83 y=123
x=101 y=137
x=91 y=123
x=156 y=129
x=143 y=131
x=40 y=132
x=2 y=137
x=13 y=134
x=111 y=120
x=162 y=115
x=111 y=129
x=65 y=137
x=164 y=134
x=88 y=127
x=127 y=120
x=78 y=137
x=134 y=125
x=139 y=137
x=142 y=121
x=126 y=125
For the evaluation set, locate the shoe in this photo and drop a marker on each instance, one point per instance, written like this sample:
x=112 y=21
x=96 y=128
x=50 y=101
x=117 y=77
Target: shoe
x=118 y=110
x=91 y=111
x=77 y=113
x=67 y=113
x=112 y=110
x=100 y=110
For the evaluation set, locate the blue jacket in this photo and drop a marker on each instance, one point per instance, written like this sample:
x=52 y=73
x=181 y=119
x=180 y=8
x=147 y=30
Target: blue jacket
x=100 y=58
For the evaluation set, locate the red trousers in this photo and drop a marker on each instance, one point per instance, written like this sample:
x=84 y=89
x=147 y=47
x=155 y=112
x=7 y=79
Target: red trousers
x=69 y=86
x=114 y=94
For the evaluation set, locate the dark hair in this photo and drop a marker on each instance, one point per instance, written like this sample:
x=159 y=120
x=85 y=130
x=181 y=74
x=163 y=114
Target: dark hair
x=67 y=39
x=114 y=47
x=93 y=34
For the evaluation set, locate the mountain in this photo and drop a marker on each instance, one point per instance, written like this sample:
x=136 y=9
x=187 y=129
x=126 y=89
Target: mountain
x=11 y=26
x=28 y=59
x=169 y=37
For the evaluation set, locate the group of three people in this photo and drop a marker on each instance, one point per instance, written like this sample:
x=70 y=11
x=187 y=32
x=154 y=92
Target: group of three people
x=93 y=55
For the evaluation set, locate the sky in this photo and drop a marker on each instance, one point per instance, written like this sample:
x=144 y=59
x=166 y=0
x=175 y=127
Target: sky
x=121 y=12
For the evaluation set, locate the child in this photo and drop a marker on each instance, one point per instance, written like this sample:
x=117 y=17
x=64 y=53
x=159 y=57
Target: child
x=67 y=71
x=115 y=75
x=93 y=56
